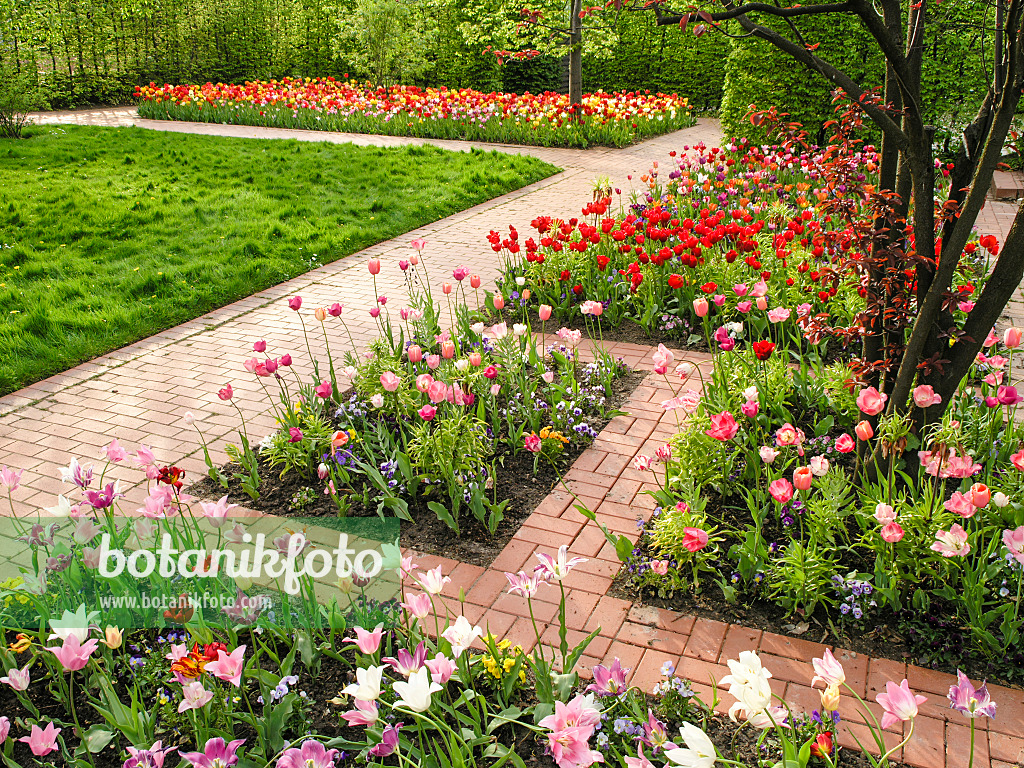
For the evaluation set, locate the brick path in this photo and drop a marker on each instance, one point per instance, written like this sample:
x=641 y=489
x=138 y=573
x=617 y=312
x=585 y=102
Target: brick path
x=140 y=393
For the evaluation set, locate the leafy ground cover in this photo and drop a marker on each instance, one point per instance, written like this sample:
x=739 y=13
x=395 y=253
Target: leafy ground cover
x=615 y=119
x=107 y=237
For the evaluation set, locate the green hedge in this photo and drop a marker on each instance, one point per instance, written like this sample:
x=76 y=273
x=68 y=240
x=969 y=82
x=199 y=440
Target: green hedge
x=756 y=72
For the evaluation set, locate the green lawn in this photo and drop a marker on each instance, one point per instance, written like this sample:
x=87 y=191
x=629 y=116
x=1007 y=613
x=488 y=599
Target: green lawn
x=111 y=235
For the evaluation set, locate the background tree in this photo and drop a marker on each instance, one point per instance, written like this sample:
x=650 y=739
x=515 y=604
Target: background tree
x=924 y=218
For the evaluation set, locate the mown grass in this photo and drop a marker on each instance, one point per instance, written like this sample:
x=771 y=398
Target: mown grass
x=111 y=235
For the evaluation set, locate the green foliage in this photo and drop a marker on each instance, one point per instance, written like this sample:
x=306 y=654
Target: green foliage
x=954 y=77
x=18 y=96
x=389 y=40
x=802 y=578
x=106 y=238
x=701 y=459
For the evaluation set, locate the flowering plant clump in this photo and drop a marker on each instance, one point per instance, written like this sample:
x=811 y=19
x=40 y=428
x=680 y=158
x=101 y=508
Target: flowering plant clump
x=546 y=119
x=420 y=418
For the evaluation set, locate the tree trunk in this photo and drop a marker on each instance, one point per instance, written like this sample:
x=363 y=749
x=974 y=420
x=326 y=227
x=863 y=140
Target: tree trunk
x=575 y=59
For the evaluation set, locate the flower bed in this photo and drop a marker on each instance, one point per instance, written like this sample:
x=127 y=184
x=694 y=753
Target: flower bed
x=545 y=119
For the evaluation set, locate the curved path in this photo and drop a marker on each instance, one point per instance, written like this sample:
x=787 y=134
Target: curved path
x=141 y=392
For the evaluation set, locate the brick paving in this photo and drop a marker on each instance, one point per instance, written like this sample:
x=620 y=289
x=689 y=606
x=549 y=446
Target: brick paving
x=140 y=393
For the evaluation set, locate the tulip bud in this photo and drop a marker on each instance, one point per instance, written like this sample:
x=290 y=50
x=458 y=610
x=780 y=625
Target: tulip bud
x=323 y=471
x=980 y=495
x=761 y=303
x=802 y=478
x=475 y=358
x=1000 y=499
x=526 y=295
x=374 y=266
x=499 y=301
x=320 y=314
x=447 y=349
x=446 y=288
x=700 y=307
x=474 y=281
x=830 y=698
x=864 y=430
x=112 y=638
x=1012 y=337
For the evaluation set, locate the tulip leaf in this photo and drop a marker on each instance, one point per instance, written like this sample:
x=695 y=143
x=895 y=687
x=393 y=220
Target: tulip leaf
x=96 y=738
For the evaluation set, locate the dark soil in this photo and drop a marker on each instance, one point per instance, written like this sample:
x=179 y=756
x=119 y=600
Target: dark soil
x=515 y=480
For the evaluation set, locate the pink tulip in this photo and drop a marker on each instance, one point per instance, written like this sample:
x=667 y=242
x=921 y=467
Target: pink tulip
x=365 y=713
x=744 y=306
x=864 y=430
x=367 y=642
x=375 y=312
x=663 y=358
x=750 y=408
x=433 y=361
x=718 y=299
x=285 y=360
x=740 y=289
x=441 y=668
x=194 y=696
x=423 y=382
x=374 y=266
x=767 y=453
x=544 y=311
x=474 y=281
x=491 y=372
x=390 y=381
x=899 y=703
x=802 y=478
x=475 y=359
x=548 y=376
x=694 y=539
x=845 y=443
x=925 y=396
x=270 y=364
x=226 y=393
x=18 y=679
x=723 y=426
x=438 y=392
x=447 y=349
x=778 y=315
x=335 y=309
x=419 y=244
x=828 y=670
x=781 y=490
x=295 y=302
x=760 y=289
x=951 y=543
x=418 y=605
x=446 y=288
x=74 y=654
x=1012 y=337
x=427 y=412
x=228 y=666
x=499 y=301
x=415 y=353
x=259 y=346
x=871 y=401
x=701 y=307
x=892 y=532
x=884 y=513
x=980 y=495
x=1008 y=396
x=761 y=303
x=42 y=741
x=1013 y=540
x=325 y=390
x=660 y=567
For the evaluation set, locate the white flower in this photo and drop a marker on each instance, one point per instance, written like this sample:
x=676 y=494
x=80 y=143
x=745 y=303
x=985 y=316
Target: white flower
x=749 y=684
x=477 y=328
x=76 y=624
x=1000 y=499
x=189 y=418
x=416 y=693
x=367 y=685
x=819 y=466
x=519 y=329
x=377 y=401
x=63 y=508
x=520 y=281
x=462 y=365
x=461 y=635
x=750 y=393
x=736 y=331
x=699 y=751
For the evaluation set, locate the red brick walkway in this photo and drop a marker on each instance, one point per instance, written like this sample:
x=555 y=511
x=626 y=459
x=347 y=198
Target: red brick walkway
x=139 y=394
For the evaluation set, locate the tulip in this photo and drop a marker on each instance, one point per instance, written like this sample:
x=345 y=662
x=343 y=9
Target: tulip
x=845 y=443
x=373 y=265
x=447 y=349
x=427 y=412
x=295 y=302
x=433 y=361
x=285 y=360
x=42 y=741
x=259 y=346
x=446 y=288
x=490 y=372
x=73 y=655
x=18 y=679
x=475 y=359
x=701 y=307
x=228 y=666
x=899 y=703
x=864 y=430
x=367 y=642
x=802 y=478
x=375 y=313
x=761 y=303
x=499 y=301
x=781 y=490
x=390 y=381
x=830 y=698
x=415 y=353
x=829 y=671
x=112 y=638
x=871 y=401
x=335 y=309
x=418 y=605
x=194 y=696
x=1012 y=337
x=320 y=313
x=325 y=390
x=925 y=396
x=544 y=312
x=226 y=393
x=892 y=532
x=980 y=495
